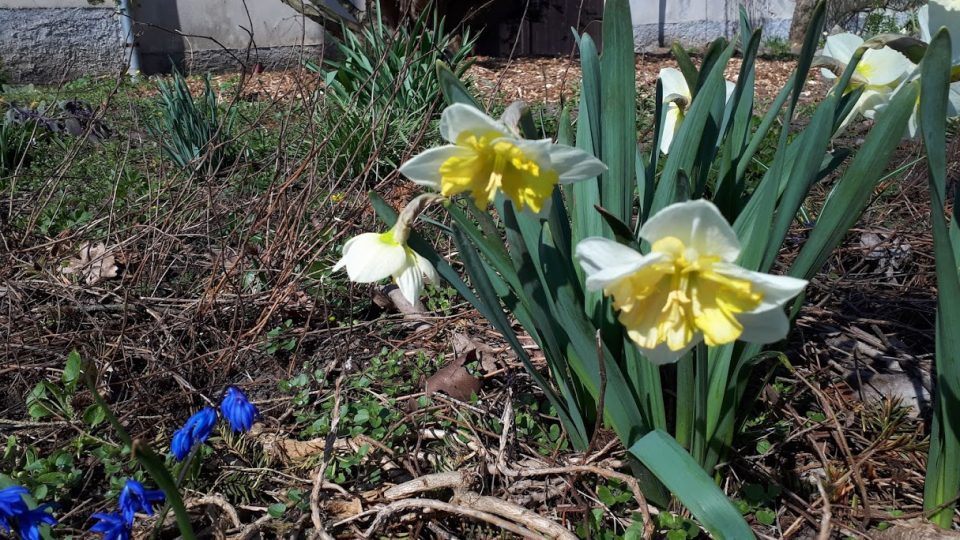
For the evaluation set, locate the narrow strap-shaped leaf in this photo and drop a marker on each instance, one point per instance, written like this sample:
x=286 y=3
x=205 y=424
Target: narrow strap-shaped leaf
x=453 y=89
x=689 y=71
x=811 y=42
x=691 y=485
x=712 y=55
x=649 y=179
x=943 y=471
x=618 y=101
x=803 y=173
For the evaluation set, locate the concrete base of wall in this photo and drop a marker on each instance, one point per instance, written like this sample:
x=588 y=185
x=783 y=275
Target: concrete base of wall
x=55 y=44
x=50 y=45
x=220 y=61
x=700 y=33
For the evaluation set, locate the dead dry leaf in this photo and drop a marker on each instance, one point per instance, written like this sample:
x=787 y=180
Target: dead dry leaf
x=916 y=529
x=463 y=343
x=454 y=380
x=93 y=264
x=345 y=509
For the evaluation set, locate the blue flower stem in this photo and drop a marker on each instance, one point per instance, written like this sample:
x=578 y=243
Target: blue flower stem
x=152 y=463
x=182 y=471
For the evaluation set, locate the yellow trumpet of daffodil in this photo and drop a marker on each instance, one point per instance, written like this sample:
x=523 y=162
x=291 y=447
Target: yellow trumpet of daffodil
x=485 y=157
x=371 y=257
x=687 y=288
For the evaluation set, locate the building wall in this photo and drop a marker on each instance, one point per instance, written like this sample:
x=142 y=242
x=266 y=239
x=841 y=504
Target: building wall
x=50 y=40
x=658 y=23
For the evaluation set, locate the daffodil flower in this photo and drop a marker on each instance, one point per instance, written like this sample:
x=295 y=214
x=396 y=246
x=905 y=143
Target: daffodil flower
x=486 y=157
x=370 y=257
x=879 y=72
x=687 y=288
x=676 y=99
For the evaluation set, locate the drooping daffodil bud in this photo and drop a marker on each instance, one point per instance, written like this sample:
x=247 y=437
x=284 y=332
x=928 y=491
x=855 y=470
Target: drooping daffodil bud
x=486 y=156
x=371 y=257
x=687 y=289
x=676 y=101
x=879 y=72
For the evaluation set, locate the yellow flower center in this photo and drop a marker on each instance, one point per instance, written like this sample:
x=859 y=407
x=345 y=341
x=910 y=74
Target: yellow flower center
x=668 y=302
x=496 y=164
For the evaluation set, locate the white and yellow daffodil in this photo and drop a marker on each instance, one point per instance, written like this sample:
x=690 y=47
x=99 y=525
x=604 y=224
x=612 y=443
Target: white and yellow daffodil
x=687 y=288
x=485 y=157
x=879 y=72
x=371 y=257
x=676 y=99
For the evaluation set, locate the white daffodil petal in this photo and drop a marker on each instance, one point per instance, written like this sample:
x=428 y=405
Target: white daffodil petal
x=368 y=258
x=841 y=47
x=871 y=102
x=426 y=267
x=610 y=275
x=459 y=118
x=923 y=21
x=674 y=85
x=574 y=164
x=597 y=254
x=672 y=117
x=764 y=327
x=697 y=224
x=777 y=290
x=410 y=283
x=883 y=67
x=424 y=168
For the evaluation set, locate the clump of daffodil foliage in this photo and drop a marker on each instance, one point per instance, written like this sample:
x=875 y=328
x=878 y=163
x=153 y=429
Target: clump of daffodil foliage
x=624 y=262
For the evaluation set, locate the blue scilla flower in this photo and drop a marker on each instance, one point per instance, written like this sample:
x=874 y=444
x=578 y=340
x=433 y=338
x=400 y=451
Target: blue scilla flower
x=28 y=523
x=111 y=526
x=135 y=498
x=238 y=410
x=11 y=505
x=195 y=431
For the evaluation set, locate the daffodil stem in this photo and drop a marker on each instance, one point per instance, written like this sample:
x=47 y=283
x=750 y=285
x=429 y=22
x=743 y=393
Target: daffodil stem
x=401 y=230
x=701 y=392
x=685 y=397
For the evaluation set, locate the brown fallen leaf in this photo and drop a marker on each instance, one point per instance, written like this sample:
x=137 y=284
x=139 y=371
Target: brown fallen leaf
x=454 y=380
x=93 y=264
x=916 y=529
x=463 y=343
x=345 y=509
